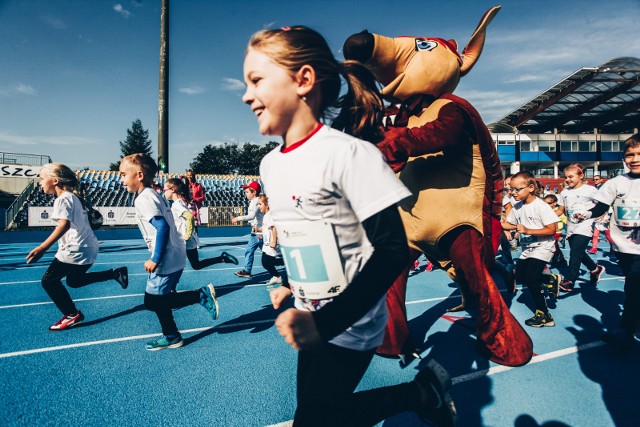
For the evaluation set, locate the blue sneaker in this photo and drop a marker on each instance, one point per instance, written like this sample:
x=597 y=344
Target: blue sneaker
x=164 y=342
x=227 y=258
x=209 y=301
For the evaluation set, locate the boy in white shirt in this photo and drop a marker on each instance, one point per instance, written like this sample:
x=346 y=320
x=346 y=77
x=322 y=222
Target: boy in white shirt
x=535 y=222
x=168 y=252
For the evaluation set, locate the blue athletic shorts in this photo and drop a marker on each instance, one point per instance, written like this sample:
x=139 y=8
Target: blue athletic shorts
x=162 y=284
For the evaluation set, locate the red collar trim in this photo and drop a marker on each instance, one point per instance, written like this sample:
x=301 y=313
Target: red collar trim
x=302 y=141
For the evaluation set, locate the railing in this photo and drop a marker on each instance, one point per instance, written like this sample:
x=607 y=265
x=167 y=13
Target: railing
x=221 y=215
x=24 y=159
x=18 y=203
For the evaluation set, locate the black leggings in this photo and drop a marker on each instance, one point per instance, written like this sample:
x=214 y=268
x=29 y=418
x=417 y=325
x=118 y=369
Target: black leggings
x=630 y=265
x=199 y=264
x=163 y=305
x=327 y=378
x=529 y=273
x=578 y=255
x=77 y=277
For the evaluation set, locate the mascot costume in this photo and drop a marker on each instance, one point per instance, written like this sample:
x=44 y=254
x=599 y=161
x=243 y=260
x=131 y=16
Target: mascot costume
x=443 y=152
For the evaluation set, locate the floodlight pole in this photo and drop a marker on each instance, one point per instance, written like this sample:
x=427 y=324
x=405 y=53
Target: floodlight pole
x=163 y=93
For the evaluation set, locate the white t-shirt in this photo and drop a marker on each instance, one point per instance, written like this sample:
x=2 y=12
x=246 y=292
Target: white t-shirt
x=534 y=215
x=341 y=180
x=150 y=204
x=622 y=187
x=254 y=216
x=578 y=199
x=267 y=225
x=78 y=245
x=179 y=207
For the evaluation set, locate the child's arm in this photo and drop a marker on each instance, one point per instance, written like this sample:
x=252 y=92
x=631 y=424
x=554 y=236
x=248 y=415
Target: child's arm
x=162 y=238
x=507 y=225
x=62 y=227
x=274 y=238
x=190 y=222
x=548 y=230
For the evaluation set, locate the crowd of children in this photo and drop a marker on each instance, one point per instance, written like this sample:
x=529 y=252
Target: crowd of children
x=342 y=245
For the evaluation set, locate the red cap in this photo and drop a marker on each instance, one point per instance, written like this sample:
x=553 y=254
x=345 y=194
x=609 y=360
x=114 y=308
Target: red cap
x=253 y=184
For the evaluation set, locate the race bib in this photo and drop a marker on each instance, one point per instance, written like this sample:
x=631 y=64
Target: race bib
x=626 y=212
x=312 y=259
x=526 y=239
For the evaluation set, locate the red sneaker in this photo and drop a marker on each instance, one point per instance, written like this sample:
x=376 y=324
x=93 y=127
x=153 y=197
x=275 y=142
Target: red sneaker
x=67 y=322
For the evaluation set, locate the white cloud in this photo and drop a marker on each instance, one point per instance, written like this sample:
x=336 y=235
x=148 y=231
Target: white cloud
x=192 y=90
x=25 y=89
x=55 y=23
x=6 y=137
x=121 y=10
x=232 y=85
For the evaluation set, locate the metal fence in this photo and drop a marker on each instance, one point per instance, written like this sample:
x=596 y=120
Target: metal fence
x=221 y=215
x=17 y=204
x=24 y=159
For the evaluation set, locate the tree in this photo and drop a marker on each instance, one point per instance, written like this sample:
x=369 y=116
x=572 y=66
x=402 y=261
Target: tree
x=231 y=158
x=137 y=142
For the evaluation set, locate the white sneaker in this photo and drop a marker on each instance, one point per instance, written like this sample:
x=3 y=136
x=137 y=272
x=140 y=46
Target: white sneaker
x=275 y=280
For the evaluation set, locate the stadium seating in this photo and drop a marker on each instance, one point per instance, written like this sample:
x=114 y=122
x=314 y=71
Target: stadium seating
x=104 y=188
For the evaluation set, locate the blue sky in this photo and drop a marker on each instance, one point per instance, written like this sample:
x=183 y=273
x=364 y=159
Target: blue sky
x=74 y=74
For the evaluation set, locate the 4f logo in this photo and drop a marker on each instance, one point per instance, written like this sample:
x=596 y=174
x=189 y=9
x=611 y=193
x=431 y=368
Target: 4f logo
x=334 y=290
x=298 y=201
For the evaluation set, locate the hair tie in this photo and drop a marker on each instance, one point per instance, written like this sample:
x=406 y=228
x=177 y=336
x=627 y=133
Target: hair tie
x=285 y=28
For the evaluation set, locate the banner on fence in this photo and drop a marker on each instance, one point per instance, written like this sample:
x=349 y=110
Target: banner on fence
x=18 y=171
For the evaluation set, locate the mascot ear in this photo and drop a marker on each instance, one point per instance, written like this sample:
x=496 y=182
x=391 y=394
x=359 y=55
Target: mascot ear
x=359 y=47
x=472 y=51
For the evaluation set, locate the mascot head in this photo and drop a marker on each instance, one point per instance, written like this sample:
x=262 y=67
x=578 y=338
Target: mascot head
x=408 y=66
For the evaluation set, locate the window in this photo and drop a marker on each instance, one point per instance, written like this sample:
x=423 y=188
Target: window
x=510 y=142
x=586 y=146
x=525 y=146
x=610 y=146
x=578 y=146
x=548 y=146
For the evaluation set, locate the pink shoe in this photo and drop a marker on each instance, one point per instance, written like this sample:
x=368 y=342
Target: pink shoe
x=593 y=250
x=429 y=266
x=416 y=265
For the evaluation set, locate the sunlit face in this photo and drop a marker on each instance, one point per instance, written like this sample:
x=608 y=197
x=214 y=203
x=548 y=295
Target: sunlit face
x=271 y=93
x=131 y=177
x=250 y=193
x=47 y=183
x=520 y=190
x=551 y=203
x=597 y=180
x=168 y=192
x=632 y=159
x=263 y=206
x=573 y=177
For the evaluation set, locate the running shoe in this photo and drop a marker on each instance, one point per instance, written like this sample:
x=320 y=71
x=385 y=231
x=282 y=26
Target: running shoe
x=228 y=258
x=595 y=275
x=566 y=286
x=429 y=266
x=209 y=301
x=540 y=320
x=275 y=280
x=439 y=410
x=164 y=342
x=593 y=250
x=243 y=273
x=121 y=275
x=67 y=322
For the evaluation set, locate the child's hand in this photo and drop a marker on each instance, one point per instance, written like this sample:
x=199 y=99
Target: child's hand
x=522 y=229
x=150 y=266
x=298 y=329
x=279 y=295
x=35 y=254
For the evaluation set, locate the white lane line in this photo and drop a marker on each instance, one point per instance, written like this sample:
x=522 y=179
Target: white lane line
x=31 y=304
x=498 y=369
x=122 y=339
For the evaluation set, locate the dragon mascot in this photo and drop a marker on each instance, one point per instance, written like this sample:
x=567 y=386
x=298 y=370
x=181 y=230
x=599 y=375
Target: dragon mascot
x=443 y=152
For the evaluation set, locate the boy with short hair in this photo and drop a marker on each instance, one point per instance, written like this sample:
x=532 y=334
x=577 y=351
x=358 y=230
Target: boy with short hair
x=536 y=224
x=168 y=252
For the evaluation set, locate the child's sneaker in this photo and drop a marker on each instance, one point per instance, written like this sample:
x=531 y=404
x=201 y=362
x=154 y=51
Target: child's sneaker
x=595 y=275
x=228 y=258
x=164 y=342
x=593 y=250
x=566 y=286
x=275 y=280
x=67 y=322
x=209 y=301
x=540 y=320
x=429 y=266
x=242 y=273
x=439 y=410
x=121 y=275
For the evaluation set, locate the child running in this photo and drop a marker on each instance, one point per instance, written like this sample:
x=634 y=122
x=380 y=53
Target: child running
x=77 y=246
x=536 y=224
x=270 y=249
x=167 y=248
x=343 y=243
x=177 y=191
x=558 y=260
x=578 y=196
x=623 y=193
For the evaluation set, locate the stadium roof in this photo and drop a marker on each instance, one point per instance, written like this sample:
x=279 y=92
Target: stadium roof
x=605 y=97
